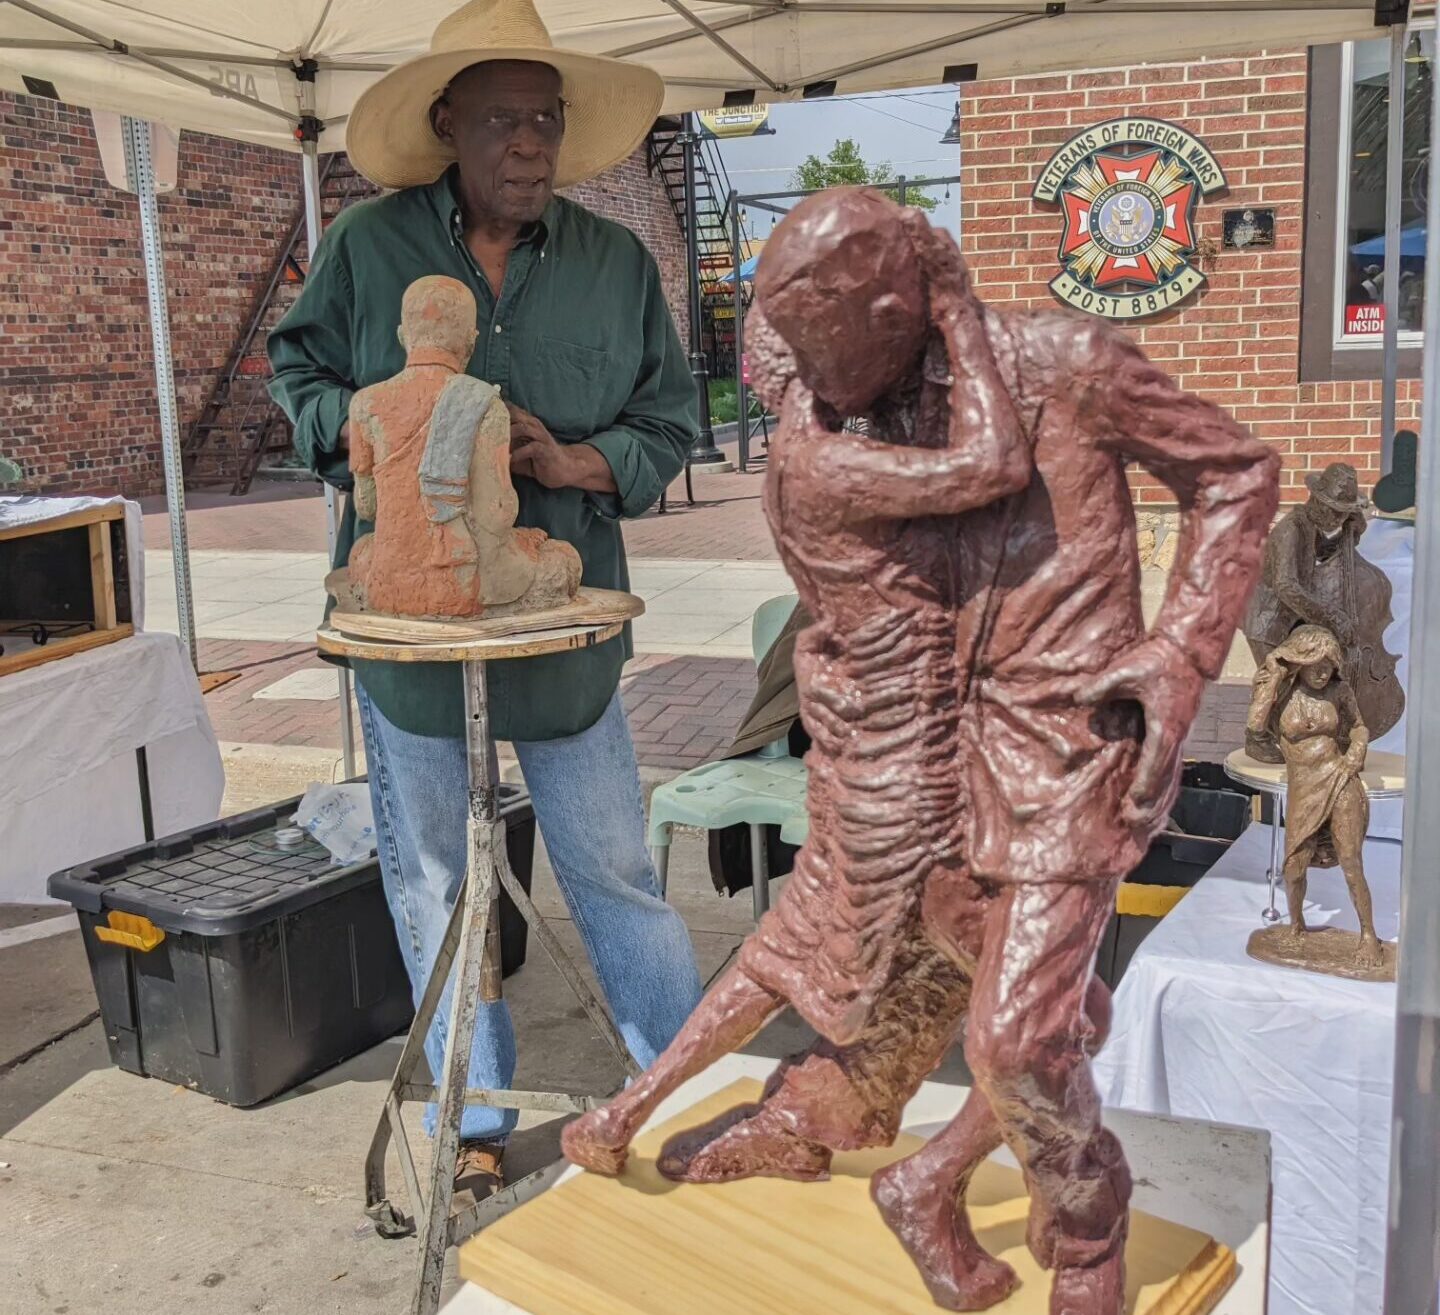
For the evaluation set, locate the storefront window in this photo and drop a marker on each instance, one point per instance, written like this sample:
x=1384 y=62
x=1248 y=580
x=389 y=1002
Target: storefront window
x=1361 y=272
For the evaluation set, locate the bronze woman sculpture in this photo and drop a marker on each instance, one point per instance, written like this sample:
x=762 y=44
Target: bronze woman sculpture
x=995 y=735
x=1301 y=698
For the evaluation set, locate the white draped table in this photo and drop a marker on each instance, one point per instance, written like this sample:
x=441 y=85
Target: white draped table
x=69 y=778
x=1203 y=1031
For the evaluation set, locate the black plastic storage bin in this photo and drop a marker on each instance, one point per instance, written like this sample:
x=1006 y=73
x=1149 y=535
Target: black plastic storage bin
x=226 y=963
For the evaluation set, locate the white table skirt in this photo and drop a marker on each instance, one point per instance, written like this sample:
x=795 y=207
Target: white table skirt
x=69 y=784
x=1203 y=1031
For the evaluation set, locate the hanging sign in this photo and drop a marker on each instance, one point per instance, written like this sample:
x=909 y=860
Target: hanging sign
x=1128 y=190
x=736 y=121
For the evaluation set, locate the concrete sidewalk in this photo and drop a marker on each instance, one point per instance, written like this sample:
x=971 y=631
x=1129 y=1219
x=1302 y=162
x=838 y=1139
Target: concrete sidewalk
x=692 y=605
x=127 y=1196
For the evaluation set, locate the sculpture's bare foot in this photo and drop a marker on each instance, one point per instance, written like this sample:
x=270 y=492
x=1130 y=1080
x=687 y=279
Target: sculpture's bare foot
x=957 y=1271
x=1368 y=954
x=598 y=1140
x=750 y=1141
x=1097 y=1289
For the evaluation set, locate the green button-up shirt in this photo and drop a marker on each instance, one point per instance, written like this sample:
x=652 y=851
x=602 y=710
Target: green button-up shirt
x=580 y=336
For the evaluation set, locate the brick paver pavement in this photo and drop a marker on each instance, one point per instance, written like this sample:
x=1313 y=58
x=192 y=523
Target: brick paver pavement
x=683 y=711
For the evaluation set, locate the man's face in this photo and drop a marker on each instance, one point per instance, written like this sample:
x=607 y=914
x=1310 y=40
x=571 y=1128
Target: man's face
x=506 y=121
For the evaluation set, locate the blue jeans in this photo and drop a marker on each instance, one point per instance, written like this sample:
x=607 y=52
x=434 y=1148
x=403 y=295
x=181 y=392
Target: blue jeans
x=586 y=794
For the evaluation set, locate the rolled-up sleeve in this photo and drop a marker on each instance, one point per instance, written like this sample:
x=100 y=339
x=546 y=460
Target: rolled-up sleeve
x=645 y=448
x=310 y=356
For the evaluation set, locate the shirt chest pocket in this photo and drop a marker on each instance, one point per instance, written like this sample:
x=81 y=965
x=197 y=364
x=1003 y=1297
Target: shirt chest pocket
x=581 y=394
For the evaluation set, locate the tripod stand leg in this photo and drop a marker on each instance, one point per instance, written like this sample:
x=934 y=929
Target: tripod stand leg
x=481 y=885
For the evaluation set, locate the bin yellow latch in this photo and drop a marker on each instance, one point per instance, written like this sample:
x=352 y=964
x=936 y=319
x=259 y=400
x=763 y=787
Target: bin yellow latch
x=132 y=931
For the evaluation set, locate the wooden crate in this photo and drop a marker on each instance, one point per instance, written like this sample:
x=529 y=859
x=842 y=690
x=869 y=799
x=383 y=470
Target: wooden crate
x=66 y=581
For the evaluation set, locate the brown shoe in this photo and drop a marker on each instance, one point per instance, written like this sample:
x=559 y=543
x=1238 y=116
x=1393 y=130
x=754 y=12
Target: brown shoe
x=478 y=1173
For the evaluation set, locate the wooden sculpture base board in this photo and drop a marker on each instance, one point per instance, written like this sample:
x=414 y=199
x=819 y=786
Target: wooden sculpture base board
x=1328 y=950
x=591 y=607
x=642 y=1245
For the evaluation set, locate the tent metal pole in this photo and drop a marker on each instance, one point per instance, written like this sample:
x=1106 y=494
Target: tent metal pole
x=710 y=34
x=1394 y=169
x=140 y=168
x=1412 y=1257
x=310 y=165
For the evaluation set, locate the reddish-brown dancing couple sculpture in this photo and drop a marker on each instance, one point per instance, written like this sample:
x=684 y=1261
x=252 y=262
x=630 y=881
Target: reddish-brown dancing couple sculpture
x=995 y=735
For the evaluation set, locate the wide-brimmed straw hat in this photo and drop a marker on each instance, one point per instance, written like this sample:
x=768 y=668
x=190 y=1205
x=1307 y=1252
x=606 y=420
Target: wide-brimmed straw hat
x=612 y=104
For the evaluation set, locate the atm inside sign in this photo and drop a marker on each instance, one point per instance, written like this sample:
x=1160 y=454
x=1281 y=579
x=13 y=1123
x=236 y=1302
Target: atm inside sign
x=1363 y=319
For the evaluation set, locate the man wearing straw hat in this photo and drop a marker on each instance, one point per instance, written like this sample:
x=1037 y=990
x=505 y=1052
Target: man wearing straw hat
x=574 y=330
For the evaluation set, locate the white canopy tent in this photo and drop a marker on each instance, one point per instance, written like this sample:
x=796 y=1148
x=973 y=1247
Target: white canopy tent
x=285 y=73
x=236 y=68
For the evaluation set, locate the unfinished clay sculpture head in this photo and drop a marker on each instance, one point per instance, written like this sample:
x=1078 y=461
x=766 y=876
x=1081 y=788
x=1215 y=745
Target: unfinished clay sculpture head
x=841 y=285
x=430 y=451
x=995 y=735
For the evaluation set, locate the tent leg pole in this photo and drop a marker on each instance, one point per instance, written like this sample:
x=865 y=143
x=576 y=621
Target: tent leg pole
x=140 y=166
x=1412 y=1260
x=310 y=164
x=1394 y=168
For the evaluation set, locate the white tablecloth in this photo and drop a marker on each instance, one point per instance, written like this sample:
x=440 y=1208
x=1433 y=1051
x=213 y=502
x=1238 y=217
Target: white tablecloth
x=1391 y=546
x=28 y=509
x=1203 y=1031
x=69 y=787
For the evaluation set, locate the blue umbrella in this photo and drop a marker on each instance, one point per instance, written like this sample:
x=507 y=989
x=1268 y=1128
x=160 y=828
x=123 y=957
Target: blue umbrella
x=747 y=268
x=1412 y=244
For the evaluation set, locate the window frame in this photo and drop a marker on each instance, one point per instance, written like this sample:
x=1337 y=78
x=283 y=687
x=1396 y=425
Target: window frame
x=1326 y=354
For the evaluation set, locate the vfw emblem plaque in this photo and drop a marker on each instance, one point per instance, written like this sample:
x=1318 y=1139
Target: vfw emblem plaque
x=1127 y=191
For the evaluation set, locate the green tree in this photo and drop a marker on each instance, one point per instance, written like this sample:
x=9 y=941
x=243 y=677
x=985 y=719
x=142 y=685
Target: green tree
x=844 y=167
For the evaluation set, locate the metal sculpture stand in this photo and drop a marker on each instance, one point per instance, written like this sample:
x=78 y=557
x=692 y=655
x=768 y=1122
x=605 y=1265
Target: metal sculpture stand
x=1383 y=778
x=472 y=946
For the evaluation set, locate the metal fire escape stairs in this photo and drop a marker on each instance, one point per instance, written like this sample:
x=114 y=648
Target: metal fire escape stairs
x=239 y=423
x=665 y=155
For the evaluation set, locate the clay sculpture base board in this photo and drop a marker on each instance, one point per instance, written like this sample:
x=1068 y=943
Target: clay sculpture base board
x=590 y=607
x=642 y=1245
x=1328 y=950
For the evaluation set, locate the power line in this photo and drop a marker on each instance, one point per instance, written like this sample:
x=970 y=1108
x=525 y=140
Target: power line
x=924 y=127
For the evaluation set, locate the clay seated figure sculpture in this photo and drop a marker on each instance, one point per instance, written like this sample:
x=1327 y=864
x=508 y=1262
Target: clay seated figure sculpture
x=1301 y=700
x=995 y=736
x=430 y=451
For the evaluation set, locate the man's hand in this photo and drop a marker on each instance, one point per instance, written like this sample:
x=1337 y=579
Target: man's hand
x=1165 y=683
x=535 y=451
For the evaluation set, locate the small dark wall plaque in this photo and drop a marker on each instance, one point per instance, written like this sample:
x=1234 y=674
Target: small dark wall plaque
x=1246 y=229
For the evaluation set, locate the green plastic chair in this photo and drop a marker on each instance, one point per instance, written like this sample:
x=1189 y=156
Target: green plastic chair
x=763 y=788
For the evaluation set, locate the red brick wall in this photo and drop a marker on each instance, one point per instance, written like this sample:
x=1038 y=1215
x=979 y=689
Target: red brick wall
x=630 y=195
x=1237 y=341
x=77 y=381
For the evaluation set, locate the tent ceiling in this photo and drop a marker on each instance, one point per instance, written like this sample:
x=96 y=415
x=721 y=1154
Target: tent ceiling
x=227 y=66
